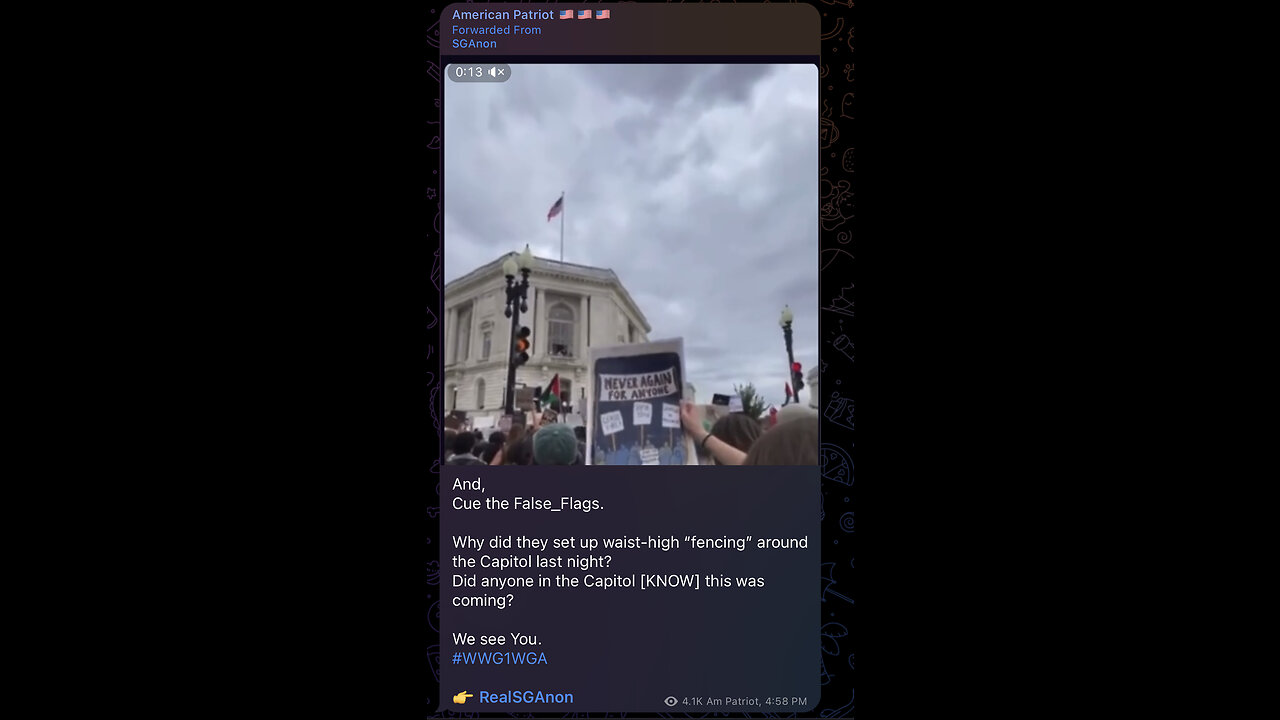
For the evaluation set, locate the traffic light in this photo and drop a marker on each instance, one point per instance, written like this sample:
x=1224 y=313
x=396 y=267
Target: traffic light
x=797 y=378
x=520 y=352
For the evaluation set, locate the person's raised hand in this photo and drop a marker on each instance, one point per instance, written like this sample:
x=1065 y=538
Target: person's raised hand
x=691 y=420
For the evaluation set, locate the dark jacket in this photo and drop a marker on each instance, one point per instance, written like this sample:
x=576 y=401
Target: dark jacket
x=465 y=459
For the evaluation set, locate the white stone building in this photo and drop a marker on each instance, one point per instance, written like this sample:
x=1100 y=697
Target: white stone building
x=811 y=384
x=571 y=308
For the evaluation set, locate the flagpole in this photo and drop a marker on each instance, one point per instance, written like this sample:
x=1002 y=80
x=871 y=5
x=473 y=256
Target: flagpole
x=561 y=226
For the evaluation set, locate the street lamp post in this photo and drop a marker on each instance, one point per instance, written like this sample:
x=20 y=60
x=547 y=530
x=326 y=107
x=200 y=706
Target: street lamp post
x=517 y=297
x=785 y=322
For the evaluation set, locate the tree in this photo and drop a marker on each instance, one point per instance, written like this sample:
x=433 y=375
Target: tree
x=753 y=403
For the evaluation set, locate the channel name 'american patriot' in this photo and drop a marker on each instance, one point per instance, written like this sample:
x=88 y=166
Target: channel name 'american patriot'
x=503 y=15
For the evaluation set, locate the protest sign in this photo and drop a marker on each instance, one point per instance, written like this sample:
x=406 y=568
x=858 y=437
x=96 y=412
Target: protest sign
x=611 y=422
x=670 y=416
x=524 y=398
x=642 y=416
x=626 y=381
x=735 y=404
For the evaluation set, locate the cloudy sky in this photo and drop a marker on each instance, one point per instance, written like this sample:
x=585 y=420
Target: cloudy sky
x=696 y=184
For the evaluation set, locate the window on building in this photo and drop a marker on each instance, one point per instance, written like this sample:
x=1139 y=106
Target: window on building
x=488 y=341
x=480 y=393
x=464 y=336
x=560 y=329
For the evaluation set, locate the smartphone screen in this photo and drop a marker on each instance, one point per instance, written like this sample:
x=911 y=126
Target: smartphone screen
x=645 y=502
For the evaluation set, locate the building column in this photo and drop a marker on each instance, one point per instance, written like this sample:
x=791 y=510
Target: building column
x=538 y=341
x=473 y=352
x=540 y=325
x=582 y=327
x=450 y=334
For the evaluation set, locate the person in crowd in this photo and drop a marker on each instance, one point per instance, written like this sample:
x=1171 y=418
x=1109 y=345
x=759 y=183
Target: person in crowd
x=795 y=411
x=518 y=435
x=738 y=431
x=449 y=436
x=621 y=456
x=793 y=442
x=580 y=432
x=463 y=447
x=717 y=446
x=490 y=453
x=555 y=444
x=518 y=450
x=522 y=452
x=497 y=437
x=482 y=448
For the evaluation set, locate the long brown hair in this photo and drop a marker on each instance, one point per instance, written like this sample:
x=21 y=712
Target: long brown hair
x=515 y=452
x=737 y=430
x=789 y=443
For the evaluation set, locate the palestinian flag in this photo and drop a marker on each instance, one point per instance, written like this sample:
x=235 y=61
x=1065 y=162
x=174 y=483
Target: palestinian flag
x=551 y=398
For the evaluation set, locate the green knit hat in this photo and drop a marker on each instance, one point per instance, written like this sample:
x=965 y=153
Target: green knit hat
x=555 y=444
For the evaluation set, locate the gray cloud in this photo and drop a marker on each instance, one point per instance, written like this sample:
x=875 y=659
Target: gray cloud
x=696 y=184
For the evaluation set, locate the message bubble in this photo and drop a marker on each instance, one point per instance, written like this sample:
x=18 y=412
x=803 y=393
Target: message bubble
x=563 y=593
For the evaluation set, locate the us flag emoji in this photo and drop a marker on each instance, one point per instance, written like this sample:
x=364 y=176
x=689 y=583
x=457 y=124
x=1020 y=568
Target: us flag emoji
x=602 y=14
x=566 y=14
x=584 y=14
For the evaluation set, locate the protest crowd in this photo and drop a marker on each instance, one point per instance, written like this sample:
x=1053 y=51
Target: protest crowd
x=791 y=438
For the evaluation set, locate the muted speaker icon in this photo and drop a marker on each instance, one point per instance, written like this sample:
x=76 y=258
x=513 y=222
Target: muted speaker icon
x=493 y=71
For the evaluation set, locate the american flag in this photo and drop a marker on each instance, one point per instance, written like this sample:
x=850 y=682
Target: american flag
x=566 y=14
x=555 y=209
x=584 y=14
x=602 y=14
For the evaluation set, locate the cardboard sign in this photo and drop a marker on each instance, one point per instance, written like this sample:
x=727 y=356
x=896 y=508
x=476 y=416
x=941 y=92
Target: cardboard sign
x=627 y=381
x=611 y=422
x=642 y=413
x=735 y=404
x=524 y=399
x=670 y=416
x=549 y=416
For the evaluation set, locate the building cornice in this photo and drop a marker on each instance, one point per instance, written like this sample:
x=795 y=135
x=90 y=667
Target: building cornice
x=551 y=270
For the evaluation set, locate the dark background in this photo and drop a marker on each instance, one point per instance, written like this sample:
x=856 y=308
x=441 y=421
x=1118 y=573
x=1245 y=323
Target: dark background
x=289 y=326
x=626 y=649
